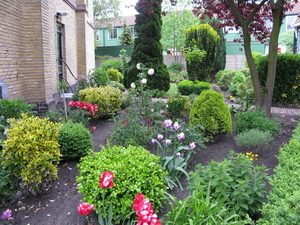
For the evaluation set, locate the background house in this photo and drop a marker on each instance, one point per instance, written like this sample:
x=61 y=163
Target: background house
x=35 y=37
x=233 y=48
x=108 y=37
x=296 y=26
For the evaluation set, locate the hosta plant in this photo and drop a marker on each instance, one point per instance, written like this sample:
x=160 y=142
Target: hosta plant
x=135 y=171
x=32 y=150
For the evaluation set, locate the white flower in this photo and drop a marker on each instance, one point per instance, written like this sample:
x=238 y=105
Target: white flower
x=144 y=81
x=132 y=85
x=138 y=66
x=151 y=71
x=180 y=136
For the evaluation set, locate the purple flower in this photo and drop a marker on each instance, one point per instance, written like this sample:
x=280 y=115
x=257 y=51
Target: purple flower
x=153 y=141
x=5 y=133
x=6 y=215
x=178 y=154
x=192 y=145
x=176 y=126
x=180 y=136
x=160 y=137
x=168 y=123
x=168 y=142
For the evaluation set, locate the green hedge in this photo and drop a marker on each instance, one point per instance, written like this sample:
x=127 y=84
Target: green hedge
x=188 y=87
x=283 y=201
x=287 y=81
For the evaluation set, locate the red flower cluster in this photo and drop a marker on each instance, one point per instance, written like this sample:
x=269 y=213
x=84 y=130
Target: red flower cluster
x=106 y=180
x=144 y=211
x=85 y=208
x=83 y=105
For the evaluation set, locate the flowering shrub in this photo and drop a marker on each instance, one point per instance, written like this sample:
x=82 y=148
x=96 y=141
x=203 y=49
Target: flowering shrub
x=32 y=149
x=135 y=171
x=144 y=210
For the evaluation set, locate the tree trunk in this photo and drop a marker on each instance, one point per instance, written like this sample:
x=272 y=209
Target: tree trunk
x=253 y=71
x=272 y=60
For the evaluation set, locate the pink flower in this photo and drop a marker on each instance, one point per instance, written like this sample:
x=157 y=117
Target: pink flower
x=192 y=145
x=180 y=136
x=106 y=180
x=176 y=126
x=93 y=128
x=167 y=123
x=85 y=208
x=282 y=116
x=160 y=137
x=168 y=142
x=6 y=215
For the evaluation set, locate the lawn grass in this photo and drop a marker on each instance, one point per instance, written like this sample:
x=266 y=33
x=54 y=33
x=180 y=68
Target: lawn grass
x=173 y=91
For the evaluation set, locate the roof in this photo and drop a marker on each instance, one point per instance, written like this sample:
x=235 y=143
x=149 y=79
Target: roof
x=130 y=20
x=295 y=10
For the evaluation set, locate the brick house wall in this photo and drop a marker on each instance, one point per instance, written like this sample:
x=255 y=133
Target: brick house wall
x=28 y=46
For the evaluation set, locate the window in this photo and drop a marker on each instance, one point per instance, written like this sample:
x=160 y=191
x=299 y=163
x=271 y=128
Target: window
x=289 y=21
x=59 y=52
x=134 y=34
x=113 y=33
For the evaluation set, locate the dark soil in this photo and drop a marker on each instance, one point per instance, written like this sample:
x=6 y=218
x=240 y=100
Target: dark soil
x=58 y=206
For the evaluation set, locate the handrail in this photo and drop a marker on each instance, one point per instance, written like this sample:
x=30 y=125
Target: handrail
x=70 y=72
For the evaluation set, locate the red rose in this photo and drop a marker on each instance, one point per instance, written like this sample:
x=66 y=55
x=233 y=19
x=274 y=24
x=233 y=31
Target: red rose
x=106 y=180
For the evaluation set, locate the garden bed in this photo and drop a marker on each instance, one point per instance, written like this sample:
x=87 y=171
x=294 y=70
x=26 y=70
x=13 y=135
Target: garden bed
x=59 y=204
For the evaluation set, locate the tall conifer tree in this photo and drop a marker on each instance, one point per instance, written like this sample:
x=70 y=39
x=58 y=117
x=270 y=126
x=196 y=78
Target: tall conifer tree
x=147 y=47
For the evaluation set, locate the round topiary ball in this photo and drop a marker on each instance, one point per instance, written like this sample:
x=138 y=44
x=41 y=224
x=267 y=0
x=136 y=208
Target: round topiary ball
x=135 y=171
x=210 y=110
x=75 y=140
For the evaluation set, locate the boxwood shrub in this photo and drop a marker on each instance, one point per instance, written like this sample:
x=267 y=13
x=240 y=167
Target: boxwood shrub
x=188 y=87
x=75 y=140
x=283 y=200
x=136 y=170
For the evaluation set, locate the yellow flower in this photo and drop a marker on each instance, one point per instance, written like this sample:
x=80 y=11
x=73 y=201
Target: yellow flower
x=284 y=95
x=295 y=87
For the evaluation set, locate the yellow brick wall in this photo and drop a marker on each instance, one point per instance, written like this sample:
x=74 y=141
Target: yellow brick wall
x=12 y=57
x=28 y=58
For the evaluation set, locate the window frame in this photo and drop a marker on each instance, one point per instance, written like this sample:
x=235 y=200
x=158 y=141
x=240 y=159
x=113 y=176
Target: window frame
x=113 y=34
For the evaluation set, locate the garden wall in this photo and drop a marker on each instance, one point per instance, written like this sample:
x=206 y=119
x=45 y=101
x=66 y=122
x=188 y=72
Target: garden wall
x=233 y=62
